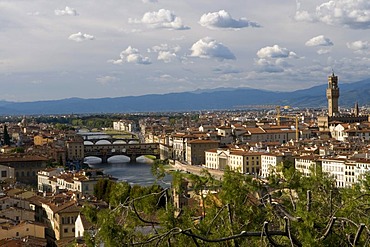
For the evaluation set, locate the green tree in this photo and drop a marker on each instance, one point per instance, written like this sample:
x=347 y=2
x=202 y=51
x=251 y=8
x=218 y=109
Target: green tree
x=6 y=136
x=103 y=188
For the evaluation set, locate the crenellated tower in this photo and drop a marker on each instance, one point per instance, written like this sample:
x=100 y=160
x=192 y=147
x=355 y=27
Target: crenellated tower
x=332 y=94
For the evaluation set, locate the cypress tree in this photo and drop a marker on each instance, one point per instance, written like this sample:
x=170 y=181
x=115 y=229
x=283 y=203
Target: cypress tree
x=6 y=136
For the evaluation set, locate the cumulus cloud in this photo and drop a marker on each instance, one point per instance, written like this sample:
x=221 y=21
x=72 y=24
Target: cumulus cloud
x=269 y=66
x=320 y=40
x=131 y=55
x=347 y=13
x=161 y=19
x=223 y=19
x=272 y=59
x=165 y=52
x=79 y=37
x=66 y=11
x=275 y=52
x=210 y=48
x=358 y=45
x=304 y=16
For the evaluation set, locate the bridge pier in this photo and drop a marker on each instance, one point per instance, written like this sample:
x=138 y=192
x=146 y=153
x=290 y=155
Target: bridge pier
x=132 y=157
x=104 y=159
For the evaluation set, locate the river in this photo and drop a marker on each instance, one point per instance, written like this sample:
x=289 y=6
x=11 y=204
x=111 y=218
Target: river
x=138 y=172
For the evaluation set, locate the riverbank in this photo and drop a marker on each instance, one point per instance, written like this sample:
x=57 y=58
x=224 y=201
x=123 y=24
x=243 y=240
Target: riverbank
x=177 y=165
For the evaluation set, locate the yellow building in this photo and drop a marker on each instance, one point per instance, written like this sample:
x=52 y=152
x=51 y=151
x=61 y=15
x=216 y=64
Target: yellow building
x=75 y=150
x=41 y=140
x=61 y=218
x=23 y=229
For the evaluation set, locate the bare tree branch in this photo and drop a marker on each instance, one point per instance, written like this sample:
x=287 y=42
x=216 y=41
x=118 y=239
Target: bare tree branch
x=328 y=228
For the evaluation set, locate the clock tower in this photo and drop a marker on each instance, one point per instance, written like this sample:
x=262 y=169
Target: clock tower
x=332 y=94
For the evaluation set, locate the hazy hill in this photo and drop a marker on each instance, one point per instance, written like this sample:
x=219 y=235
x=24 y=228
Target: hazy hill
x=221 y=98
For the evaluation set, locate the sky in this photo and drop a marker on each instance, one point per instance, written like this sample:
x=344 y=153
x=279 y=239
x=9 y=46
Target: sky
x=55 y=49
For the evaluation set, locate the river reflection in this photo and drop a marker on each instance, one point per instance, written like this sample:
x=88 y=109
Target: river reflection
x=120 y=167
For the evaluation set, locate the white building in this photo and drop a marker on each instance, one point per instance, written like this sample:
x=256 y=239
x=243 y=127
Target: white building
x=52 y=180
x=237 y=160
x=307 y=164
x=125 y=125
x=335 y=167
x=362 y=167
x=269 y=162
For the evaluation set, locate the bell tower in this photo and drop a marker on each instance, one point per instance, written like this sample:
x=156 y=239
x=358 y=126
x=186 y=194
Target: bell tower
x=332 y=94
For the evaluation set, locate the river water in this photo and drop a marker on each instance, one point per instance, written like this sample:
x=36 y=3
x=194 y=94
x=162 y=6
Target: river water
x=138 y=172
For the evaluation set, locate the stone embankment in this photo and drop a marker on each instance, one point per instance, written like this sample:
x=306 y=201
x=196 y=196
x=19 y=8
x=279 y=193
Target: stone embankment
x=177 y=165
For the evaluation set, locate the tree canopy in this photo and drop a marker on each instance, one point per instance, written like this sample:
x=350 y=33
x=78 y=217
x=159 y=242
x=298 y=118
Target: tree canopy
x=239 y=210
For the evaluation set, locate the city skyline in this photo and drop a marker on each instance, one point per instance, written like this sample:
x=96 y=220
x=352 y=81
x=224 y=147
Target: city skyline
x=56 y=50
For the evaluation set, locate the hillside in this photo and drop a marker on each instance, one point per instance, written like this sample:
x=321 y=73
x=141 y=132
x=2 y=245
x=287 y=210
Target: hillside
x=223 y=98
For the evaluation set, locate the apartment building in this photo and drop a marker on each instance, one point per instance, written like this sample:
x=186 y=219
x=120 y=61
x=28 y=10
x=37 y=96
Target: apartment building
x=336 y=168
x=60 y=218
x=25 y=166
x=75 y=150
x=270 y=162
x=83 y=182
x=9 y=230
x=238 y=160
x=195 y=150
x=308 y=165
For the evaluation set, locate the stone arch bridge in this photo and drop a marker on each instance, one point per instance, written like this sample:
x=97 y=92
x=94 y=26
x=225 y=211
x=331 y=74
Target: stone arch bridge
x=105 y=151
x=110 y=137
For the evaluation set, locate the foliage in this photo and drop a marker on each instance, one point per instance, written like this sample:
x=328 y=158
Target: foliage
x=102 y=189
x=18 y=150
x=6 y=136
x=240 y=210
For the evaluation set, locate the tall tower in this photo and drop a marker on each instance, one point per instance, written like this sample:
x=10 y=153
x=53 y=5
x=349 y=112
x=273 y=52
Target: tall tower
x=332 y=94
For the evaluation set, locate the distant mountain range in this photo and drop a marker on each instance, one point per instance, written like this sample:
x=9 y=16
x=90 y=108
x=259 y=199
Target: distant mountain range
x=221 y=98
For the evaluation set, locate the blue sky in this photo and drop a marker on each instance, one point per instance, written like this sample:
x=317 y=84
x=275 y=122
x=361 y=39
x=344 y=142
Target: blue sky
x=112 y=48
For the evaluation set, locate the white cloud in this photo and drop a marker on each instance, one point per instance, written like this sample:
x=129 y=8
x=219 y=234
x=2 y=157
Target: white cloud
x=210 y=48
x=66 y=11
x=223 y=19
x=106 y=80
x=269 y=66
x=353 y=14
x=275 y=52
x=165 y=52
x=304 y=16
x=150 y=1
x=161 y=19
x=131 y=55
x=358 y=45
x=272 y=59
x=79 y=37
x=323 y=51
x=320 y=40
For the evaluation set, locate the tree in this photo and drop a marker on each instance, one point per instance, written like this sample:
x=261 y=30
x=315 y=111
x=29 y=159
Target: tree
x=241 y=211
x=6 y=136
x=102 y=189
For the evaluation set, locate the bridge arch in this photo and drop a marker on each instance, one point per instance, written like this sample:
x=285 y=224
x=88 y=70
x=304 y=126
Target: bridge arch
x=102 y=141
x=106 y=151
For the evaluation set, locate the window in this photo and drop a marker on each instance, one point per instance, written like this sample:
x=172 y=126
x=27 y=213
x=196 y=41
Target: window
x=65 y=230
